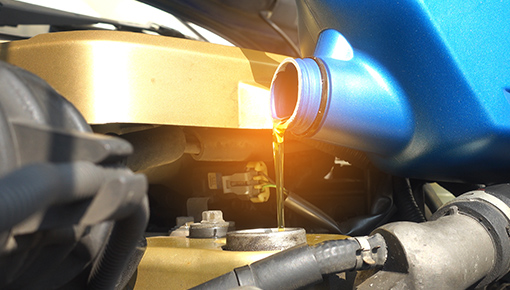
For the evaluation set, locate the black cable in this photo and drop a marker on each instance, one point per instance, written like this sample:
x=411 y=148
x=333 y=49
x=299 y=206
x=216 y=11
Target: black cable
x=120 y=247
x=405 y=201
x=303 y=265
x=198 y=34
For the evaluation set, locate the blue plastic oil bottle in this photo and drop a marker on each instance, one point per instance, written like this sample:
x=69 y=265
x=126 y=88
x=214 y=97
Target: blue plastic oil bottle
x=422 y=86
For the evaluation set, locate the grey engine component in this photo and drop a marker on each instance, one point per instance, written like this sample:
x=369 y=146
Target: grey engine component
x=464 y=245
x=70 y=213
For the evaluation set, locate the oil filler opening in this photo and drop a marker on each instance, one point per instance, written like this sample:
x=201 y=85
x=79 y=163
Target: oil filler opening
x=296 y=94
x=284 y=91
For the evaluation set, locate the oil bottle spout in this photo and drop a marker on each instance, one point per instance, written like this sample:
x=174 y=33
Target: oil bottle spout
x=343 y=97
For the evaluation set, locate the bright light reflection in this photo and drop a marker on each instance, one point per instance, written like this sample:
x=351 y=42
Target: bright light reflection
x=110 y=83
x=377 y=77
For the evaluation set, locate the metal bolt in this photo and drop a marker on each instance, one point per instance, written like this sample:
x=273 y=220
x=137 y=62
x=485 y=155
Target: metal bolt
x=212 y=225
x=212 y=216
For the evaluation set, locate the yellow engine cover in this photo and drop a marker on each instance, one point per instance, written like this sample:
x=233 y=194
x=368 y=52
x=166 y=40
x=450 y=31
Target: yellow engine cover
x=126 y=77
x=182 y=263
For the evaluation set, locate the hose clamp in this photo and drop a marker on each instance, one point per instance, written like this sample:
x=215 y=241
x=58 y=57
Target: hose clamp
x=482 y=195
x=365 y=258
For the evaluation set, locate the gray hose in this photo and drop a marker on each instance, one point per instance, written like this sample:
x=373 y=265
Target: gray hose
x=305 y=265
x=39 y=186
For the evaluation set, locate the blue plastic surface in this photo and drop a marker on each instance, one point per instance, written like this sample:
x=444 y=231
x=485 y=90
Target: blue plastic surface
x=367 y=109
x=452 y=61
x=363 y=107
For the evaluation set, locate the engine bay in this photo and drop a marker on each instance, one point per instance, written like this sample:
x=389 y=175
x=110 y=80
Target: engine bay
x=140 y=157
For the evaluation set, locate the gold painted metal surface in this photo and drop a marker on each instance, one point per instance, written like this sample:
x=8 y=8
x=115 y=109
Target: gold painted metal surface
x=182 y=263
x=124 y=77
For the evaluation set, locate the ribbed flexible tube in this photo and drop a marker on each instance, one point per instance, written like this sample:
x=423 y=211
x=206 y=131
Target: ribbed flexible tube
x=336 y=256
x=122 y=243
x=406 y=202
x=41 y=185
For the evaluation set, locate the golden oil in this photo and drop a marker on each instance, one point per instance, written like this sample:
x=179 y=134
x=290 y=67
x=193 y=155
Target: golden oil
x=279 y=127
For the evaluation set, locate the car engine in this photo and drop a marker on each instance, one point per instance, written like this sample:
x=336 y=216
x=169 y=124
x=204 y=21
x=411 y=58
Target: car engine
x=269 y=144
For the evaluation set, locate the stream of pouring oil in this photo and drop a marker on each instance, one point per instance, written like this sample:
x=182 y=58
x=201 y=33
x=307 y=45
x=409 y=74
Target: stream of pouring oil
x=279 y=127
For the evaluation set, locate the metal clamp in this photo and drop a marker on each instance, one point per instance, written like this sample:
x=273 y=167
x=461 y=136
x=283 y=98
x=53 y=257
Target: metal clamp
x=482 y=195
x=366 y=252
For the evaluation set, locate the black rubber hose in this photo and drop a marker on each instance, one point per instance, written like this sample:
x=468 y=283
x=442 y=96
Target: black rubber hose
x=304 y=265
x=39 y=186
x=405 y=201
x=122 y=243
x=336 y=256
x=132 y=265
